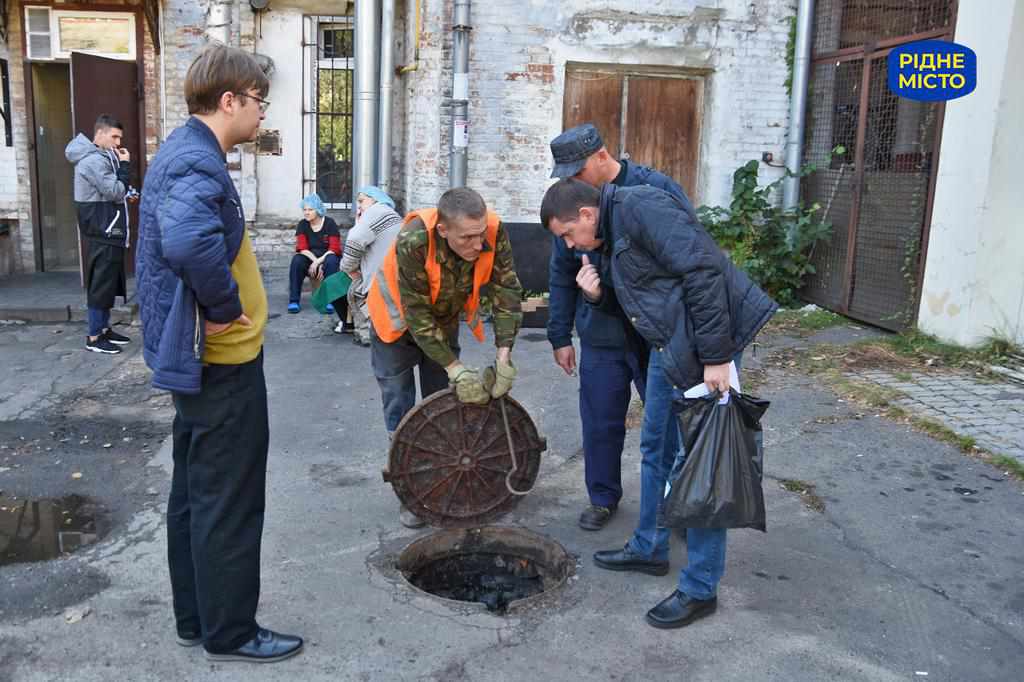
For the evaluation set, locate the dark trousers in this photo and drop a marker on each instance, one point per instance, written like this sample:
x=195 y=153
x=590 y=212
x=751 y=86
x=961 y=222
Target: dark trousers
x=215 y=510
x=393 y=365
x=341 y=307
x=299 y=271
x=605 y=376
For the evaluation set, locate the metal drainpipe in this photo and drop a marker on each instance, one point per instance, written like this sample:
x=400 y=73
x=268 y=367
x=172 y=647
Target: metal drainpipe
x=798 y=102
x=367 y=48
x=460 y=94
x=387 y=67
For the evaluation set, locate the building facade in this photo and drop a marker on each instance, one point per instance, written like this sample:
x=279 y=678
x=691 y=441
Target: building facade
x=693 y=89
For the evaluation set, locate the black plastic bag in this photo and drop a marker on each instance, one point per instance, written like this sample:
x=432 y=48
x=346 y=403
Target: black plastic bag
x=718 y=484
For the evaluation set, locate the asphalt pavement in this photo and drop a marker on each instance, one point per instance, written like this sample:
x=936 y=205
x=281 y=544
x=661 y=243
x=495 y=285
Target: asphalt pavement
x=900 y=576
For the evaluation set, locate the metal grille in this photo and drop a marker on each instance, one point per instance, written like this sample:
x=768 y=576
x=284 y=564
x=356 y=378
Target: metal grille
x=328 y=67
x=877 y=195
x=832 y=121
x=898 y=144
x=842 y=24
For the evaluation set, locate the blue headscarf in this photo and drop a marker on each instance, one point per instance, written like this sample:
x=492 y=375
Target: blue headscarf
x=314 y=202
x=377 y=194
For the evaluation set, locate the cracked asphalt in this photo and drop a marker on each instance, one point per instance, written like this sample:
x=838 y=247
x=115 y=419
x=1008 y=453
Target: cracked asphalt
x=902 y=573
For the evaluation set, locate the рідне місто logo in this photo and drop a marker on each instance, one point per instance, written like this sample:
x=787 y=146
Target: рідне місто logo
x=932 y=70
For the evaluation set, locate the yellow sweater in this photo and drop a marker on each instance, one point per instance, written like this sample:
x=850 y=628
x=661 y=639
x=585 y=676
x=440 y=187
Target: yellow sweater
x=238 y=345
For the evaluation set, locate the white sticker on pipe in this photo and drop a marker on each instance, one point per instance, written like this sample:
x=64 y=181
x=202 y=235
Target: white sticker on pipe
x=460 y=86
x=461 y=137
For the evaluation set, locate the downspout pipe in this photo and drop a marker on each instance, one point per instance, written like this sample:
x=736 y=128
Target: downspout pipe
x=163 y=72
x=798 y=102
x=367 y=94
x=460 y=94
x=387 y=67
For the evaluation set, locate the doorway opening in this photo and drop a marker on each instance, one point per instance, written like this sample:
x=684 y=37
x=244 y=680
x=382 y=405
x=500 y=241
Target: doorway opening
x=55 y=177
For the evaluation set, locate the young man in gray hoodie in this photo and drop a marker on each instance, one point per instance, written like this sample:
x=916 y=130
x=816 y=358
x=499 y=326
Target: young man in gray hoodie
x=101 y=188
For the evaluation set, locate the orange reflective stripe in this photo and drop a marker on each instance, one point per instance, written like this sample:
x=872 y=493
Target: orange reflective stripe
x=384 y=299
x=482 y=275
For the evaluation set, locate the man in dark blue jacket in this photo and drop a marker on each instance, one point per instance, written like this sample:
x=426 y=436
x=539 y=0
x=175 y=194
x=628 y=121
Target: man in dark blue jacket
x=612 y=354
x=698 y=312
x=203 y=310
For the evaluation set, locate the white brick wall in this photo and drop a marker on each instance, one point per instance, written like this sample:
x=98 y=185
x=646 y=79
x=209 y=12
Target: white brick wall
x=517 y=62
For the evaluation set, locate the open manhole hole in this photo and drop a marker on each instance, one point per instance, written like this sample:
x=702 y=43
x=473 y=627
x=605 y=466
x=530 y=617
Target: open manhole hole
x=500 y=567
x=40 y=529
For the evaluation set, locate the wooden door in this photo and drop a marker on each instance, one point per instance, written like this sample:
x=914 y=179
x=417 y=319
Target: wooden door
x=595 y=97
x=663 y=127
x=110 y=86
x=652 y=119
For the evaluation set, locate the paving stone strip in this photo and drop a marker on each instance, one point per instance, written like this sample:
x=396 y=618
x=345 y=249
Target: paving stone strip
x=990 y=413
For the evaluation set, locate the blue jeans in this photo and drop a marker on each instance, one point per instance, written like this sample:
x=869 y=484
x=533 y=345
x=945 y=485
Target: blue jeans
x=659 y=445
x=393 y=365
x=99 y=320
x=605 y=376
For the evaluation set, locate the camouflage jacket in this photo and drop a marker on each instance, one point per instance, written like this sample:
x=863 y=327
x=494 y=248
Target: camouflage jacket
x=434 y=324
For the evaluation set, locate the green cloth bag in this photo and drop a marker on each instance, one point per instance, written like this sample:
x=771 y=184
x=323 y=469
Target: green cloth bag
x=334 y=287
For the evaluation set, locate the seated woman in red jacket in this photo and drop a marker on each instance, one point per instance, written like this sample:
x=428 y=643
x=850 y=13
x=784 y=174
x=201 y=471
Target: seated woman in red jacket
x=317 y=249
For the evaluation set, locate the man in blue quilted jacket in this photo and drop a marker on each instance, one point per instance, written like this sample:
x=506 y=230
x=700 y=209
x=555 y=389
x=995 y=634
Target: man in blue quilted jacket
x=203 y=311
x=697 y=311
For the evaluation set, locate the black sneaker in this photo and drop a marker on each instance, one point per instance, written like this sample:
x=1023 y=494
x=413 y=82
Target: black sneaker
x=101 y=345
x=115 y=338
x=188 y=639
x=595 y=517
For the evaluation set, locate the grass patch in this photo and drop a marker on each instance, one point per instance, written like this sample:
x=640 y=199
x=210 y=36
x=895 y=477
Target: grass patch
x=807 y=493
x=865 y=393
x=920 y=348
x=1008 y=464
x=802 y=323
x=944 y=433
x=899 y=354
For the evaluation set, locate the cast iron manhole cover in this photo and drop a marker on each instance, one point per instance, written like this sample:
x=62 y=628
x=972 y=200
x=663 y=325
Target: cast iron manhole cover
x=450 y=462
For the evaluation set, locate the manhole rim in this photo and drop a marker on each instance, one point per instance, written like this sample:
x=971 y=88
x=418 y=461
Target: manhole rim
x=566 y=558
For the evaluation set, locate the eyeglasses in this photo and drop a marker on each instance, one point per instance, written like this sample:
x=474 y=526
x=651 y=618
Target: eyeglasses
x=263 y=104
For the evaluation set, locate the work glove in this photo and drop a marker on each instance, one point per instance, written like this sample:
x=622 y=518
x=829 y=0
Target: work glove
x=469 y=385
x=498 y=378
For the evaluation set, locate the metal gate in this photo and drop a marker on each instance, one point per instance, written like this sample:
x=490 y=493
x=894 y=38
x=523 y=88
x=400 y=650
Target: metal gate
x=878 y=194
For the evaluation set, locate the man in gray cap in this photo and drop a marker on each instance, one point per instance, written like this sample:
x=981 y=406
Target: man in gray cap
x=612 y=354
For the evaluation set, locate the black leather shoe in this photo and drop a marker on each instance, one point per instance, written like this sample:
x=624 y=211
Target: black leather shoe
x=595 y=517
x=679 y=610
x=626 y=559
x=188 y=639
x=266 y=647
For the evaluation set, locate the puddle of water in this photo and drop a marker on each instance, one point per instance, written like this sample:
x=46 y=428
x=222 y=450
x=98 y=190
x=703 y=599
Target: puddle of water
x=40 y=529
